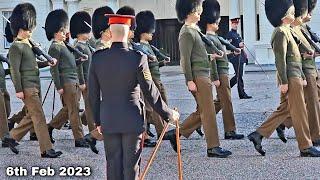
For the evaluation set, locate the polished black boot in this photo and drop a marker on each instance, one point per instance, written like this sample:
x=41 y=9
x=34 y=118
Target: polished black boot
x=233 y=135
x=51 y=154
x=92 y=143
x=50 y=129
x=310 y=152
x=149 y=133
x=256 y=139
x=33 y=137
x=149 y=143
x=280 y=132
x=245 y=96
x=316 y=143
x=81 y=143
x=218 y=152
x=199 y=131
x=10 y=125
x=171 y=135
x=11 y=143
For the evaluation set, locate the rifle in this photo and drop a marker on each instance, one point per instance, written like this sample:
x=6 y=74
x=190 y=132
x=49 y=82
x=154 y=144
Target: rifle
x=136 y=47
x=4 y=59
x=160 y=54
x=39 y=52
x=209 y=43
x=228 y=45
x=314 y=35
x=312 y=43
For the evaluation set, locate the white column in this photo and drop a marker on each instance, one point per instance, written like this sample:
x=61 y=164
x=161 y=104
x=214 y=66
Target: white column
x=114 y=4
x=57 y=4
x=234 y=9
x=249 y=26
x=73 y=7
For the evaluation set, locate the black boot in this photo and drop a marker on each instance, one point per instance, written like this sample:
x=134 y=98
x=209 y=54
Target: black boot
x=310 y=152
x=171 y=135
x=149 y=133
x=11 y=143
x=33 y=137
x=92 y=143
x=280 y=131
x=81 y=143
x=50 y=129
x=10 y=125
x=218 y=152
x=199 y=131
x=149 y=143
x=245 y=96
x=51 y=154
x=256 y=139
x=4 y=145
x=233 y=135
x=316 y=143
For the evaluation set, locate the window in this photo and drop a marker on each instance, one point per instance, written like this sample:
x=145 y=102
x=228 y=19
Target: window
x=5 y=14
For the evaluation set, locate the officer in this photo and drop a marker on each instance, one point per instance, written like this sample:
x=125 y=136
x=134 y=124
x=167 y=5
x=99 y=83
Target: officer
x=117 y=75
x=237 y=60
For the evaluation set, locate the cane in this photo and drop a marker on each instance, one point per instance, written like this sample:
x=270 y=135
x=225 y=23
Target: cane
x=157 y=148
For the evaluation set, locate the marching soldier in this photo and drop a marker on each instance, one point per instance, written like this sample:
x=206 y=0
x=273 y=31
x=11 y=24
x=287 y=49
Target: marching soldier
x=5 y=108
x=209 y=22
x=80 y=28
x=100 y=27
x=25 y=77
x=237 y=60
x=64 y=75
x=280 y=13
x=122 y=131
x=101 y=31
x=196 y=67
x=144 y=32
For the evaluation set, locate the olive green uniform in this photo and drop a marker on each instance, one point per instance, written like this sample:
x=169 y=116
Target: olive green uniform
x=4 y=102
x=25 y=76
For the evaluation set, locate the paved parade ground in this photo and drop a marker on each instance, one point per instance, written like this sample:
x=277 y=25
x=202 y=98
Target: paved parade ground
x=282 y=161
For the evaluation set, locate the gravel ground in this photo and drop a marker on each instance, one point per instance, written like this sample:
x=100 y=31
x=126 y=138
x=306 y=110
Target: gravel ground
x=282 y=160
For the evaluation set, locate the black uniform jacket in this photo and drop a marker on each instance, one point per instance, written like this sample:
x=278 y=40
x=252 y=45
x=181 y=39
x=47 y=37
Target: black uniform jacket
x=116 y=77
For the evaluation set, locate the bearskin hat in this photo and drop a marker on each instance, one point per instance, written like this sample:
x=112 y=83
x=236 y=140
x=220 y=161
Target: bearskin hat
x=276 y=10
x=8 y=33
x=100 y=20
x=56 y=20
x=146 y=23
x=185 y=7
x=80 y=23
x=23 y=17
x=311 y=5
x=301 y=7
x=210 y=14
x=127 y=10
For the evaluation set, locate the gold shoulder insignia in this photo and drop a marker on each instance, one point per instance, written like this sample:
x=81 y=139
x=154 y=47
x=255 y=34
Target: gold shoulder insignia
x=147 y=75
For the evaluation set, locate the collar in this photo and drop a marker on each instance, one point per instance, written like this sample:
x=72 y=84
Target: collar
x=119 y=45
x=211 y=33
x=144 y=42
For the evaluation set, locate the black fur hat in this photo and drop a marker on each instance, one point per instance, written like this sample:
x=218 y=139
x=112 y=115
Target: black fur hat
x=8 y=33
x=185 y=7
x=23 y=17
x=210 y=14
x=127 y=10
x=311 y=5
x=56 y=20
x=146 y=23
x=301 y=7
x=79 y=23
x=100 y=20
x=276 y=10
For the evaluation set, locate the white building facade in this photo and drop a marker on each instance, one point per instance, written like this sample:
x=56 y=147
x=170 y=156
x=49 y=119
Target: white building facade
x=256 y=29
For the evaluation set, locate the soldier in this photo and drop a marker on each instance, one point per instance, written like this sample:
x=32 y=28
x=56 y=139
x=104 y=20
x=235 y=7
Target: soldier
x=101 y=31
x=5 y=108
x=122 y=131
x=209 y=22
x=280 y=13
x=100 y=27
x=196 y=67
x=64 y=75
x=144 y=32
x=80 y=30
x=25 y=77
x=237 y=60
